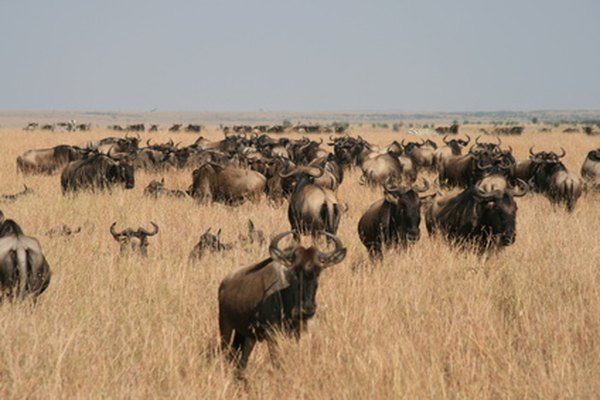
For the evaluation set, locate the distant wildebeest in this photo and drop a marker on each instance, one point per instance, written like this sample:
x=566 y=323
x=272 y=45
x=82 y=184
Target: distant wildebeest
x=31 y=126
x=278 y=293
x=209 y=243
x=157 y=189
x=254 y=236
x=47 y=161
x=393 y=220
x=483 y=215
x=63 y=230
x=175 y=128
x=590 y=170
x=133 y=240
x=226 y=184
x=98 y=171
x=312 y=208
x=11 y=198
x=443 y=130
x=551 y=177
x=24 y=271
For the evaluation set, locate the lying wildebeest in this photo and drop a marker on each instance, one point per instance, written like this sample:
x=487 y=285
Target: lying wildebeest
x=484 y=214
x=208 y=243
x=229 y=185
x=63 y=230
x=98 y=171
x=11 y=198
x=24 y=271
x=157 y=189
x=393 y=220
x=47 y=161
x=131 y=240
x=552 y=178
x=253 y=236
x=590 y=169
x=278 y=293
x=312 y=208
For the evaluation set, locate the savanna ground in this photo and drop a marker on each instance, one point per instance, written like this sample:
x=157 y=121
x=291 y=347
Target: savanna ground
x=429 y=322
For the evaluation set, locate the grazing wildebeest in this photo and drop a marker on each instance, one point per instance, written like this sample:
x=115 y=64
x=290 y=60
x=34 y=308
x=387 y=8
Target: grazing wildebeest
x=278 y=293
x=157 y=189
x=209 y=243
x=24 y=271
x=98 y=171
x=393 y=220
x=11 y=198
x=226 y=184
x=131 y=240
x=312 y=208
x=47 y=161
x=484 y=214
x=590 y=169
x=551 y=177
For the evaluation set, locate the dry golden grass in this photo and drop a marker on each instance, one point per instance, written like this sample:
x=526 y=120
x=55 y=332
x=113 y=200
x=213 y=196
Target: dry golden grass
x=427 y=323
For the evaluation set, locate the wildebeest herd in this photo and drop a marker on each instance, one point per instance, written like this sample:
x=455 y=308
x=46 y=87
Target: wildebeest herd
x=466 y=191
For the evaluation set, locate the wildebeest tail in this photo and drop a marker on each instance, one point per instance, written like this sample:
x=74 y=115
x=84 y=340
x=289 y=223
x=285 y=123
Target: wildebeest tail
x=21 y=264
x=329 y=217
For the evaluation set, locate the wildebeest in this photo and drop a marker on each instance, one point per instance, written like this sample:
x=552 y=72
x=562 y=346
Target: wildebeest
x=63 y=230
x=11 y=198
x=253 y=236
x=227 y=184
x=24 y=271
x=47 y=161
x=393 y=220
x=312 y=208
x=590 y=169
x=421 y=154
x=378 y=169
x=157 y=189
x=278 y=293
x=484 y=214
x=551 y=177
x=453 y=147
x=130 y=240
x=209 y=243
x=98 y=171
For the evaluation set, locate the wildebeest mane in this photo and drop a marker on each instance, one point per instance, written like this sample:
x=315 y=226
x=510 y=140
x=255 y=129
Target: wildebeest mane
x=460 y=209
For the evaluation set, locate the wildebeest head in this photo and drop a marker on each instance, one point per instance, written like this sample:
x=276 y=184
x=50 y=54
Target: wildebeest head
x=133 y=240
x=253 y=236
x=546 y=157
x=304 y=265
x=406 y=207
x=457 y=144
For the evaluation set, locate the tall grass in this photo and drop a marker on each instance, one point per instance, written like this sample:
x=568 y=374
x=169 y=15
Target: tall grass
x=429 y=322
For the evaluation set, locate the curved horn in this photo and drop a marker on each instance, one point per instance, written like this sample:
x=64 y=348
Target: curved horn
x=327 y=257
x=444 y=139
x=147 y=233
x=113 y=232
x=274 y=246
x=423 y=188
x=468 y=139
x=170 y=142
x=148 y=142
x=477 y=140
x=531 y=151
x=287 y=174
x=479 y=192
x=321 y=170
x=483 y=167
x=321 y=141
x=524 y=189
x=499 y=140
x=362 y=180
x=562 y=154
x=402 y=143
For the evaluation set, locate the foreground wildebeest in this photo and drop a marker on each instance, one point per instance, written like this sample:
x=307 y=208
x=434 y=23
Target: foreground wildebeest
x=312 y=208
x=208 y=243
x=483 y=215
x=590 y=169
x=131 y=240
x=11 y=198
x=157 y=189
x=24 y=271
x=47 y=161
x=393 y=220
x=278 y=293
x=551 y=177
x=229 y=185
x=98 y=171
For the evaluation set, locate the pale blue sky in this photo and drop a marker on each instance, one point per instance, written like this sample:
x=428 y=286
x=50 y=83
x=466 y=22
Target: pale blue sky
x=462 y=55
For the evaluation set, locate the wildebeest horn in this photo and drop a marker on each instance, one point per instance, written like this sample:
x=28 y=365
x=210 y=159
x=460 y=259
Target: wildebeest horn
x=274 y=246
x=477 y=140
x=562 y=154
x=321 y=141
x=468 y=139
x=170 y=142
x=321 y=170
x=113 y=231
x=531 y=151
x=483 y=167
x=499 y=140
x=148 y=142
x=444 y=139
x=326 y=258
x=147 y=233
x=362 y=180
x=510 y=149
x=287 y=174
x=402 y=143
x=487 y=195
x=524 y=189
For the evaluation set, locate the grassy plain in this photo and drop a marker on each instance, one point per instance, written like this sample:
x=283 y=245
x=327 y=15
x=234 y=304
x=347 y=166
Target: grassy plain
x=427 y=323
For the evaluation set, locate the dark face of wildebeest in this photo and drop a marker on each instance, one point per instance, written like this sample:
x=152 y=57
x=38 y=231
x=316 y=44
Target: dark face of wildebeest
x=249 y=310
x=131 y=240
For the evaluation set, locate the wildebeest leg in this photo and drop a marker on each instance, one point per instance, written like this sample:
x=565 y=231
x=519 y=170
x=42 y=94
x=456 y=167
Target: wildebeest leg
x=274 y=353
x=247 y=344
